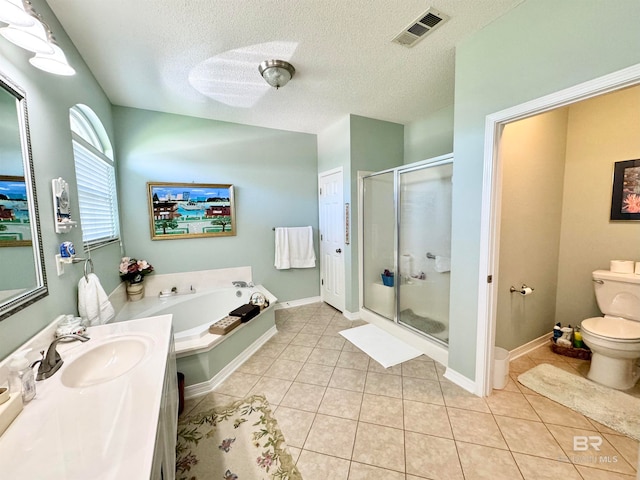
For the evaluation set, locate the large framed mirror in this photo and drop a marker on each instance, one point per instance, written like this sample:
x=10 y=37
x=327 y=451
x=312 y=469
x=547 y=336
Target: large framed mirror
x=23 y=279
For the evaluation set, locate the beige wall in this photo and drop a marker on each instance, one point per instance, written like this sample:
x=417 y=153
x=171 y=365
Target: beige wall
x=532 y=156
x=556 y=196
x=602 y=131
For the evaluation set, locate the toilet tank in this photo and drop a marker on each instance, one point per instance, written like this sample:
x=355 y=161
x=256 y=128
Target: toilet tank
x=618 y=294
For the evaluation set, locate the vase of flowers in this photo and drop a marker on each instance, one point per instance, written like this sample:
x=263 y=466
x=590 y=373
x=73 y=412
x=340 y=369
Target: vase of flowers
x=133 y=272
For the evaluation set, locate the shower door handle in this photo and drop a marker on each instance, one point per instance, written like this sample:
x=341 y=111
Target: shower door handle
x=338 y=250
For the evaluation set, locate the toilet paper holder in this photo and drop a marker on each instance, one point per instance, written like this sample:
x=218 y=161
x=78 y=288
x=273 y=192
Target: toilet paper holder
x=524 y=290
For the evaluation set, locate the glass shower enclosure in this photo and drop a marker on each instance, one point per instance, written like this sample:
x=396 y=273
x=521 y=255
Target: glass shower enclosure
x=406 y=245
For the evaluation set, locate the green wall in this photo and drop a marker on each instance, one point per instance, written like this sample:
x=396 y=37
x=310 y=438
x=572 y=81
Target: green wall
x=539 y=47
x=274 y=174
x=49 y=98
x=358 y=144
x=334 y=146
x=375 y=145
x=430 y=136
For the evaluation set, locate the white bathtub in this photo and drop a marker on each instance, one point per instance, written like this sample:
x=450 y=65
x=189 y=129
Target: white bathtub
x=193 y=313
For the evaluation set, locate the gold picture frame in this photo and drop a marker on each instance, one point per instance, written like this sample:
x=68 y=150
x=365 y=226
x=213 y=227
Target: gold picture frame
x=191 y=210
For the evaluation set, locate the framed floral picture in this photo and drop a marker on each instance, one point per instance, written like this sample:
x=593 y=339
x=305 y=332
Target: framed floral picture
x=191 y=210
x=625 y=199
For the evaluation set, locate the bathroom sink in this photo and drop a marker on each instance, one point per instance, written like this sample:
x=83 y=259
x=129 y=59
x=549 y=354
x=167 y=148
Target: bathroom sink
x=109 y=359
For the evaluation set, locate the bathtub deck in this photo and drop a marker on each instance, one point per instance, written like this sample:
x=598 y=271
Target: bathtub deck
x=208 y=360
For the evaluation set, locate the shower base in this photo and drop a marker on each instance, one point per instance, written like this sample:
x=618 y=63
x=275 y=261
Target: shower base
x=423 y=324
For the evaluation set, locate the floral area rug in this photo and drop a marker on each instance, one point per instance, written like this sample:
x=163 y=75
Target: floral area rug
x=240 y=441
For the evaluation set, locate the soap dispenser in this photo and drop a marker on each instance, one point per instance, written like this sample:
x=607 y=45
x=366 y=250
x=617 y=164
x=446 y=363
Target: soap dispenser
x=21 y=377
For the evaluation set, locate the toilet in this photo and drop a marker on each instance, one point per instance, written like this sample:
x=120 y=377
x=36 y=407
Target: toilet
x=614 y=338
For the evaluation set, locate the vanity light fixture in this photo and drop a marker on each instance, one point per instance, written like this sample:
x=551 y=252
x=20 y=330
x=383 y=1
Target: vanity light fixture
x=35 y=37
x=55 y=62
x=276 y=73
x=32 y=38
x=14 y=13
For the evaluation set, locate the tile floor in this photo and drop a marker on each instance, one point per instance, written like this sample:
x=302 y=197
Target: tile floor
x=345 y=417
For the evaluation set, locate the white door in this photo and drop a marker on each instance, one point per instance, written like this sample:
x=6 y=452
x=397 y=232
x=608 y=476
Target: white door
x=331 y=205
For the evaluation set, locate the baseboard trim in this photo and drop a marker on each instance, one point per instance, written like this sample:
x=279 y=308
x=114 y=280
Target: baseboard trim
x=461 y=381
x=297 y=303
x=203 y=388
x=528 y=347
x=306 y=301
x=351 y=315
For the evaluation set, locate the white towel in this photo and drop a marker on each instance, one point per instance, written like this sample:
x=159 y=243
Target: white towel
x=294 y=248
x=443 y=264
x=93 y=304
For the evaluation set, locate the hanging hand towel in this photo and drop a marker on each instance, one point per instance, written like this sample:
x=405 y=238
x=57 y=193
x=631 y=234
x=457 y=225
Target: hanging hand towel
x=93 y=304
x=282 y=249
x=294 y=248
x=443 y=264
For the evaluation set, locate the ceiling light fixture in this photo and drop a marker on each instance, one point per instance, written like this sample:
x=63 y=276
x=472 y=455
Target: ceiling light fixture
x=276 y=72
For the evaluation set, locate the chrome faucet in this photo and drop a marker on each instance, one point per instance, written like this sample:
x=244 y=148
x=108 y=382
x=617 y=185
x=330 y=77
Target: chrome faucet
x=174 y=292
x=52 y=361
x=240 y=284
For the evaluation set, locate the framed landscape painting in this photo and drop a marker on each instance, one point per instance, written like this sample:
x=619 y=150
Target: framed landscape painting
x=625 y=198
x=15 y=224
x=191 y=210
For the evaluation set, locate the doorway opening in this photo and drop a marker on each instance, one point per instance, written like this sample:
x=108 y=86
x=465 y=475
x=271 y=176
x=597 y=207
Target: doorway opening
x=495 y=234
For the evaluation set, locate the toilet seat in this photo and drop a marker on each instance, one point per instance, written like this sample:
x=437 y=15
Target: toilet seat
x=612 y=328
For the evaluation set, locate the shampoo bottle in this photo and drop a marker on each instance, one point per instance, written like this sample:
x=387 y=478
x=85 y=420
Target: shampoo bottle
x=21 y=377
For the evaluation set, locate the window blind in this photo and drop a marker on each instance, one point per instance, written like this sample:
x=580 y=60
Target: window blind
x=95 y=178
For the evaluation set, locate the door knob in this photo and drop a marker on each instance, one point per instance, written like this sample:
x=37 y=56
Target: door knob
x=338 y=250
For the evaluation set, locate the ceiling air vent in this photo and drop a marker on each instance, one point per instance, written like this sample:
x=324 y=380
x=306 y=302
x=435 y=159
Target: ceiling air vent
x=420 y=28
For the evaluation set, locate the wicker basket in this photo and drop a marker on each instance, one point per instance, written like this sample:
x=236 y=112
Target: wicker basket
x=581 y=353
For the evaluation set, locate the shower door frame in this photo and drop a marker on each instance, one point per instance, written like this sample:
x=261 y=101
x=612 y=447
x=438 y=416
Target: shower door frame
x=433 y=347
x=361 y=178
x=398 y=206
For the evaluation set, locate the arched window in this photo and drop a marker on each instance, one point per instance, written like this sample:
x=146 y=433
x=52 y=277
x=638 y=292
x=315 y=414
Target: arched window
x=95 y=177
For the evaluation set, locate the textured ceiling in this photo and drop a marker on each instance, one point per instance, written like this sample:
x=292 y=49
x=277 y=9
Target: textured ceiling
x=200 y=57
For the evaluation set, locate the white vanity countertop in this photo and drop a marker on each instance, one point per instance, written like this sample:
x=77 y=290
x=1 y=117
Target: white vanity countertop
x=104 y=431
